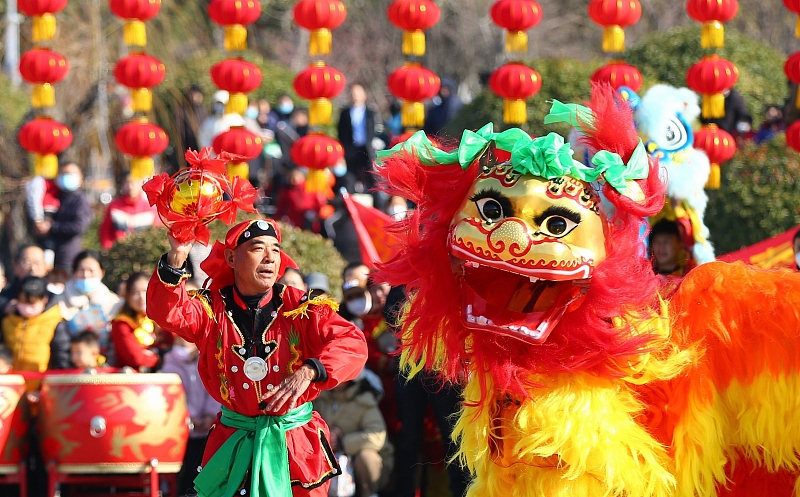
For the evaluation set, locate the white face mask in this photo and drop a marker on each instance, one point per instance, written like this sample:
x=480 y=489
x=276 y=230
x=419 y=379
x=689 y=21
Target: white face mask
x=29 y=310
x=360 y=306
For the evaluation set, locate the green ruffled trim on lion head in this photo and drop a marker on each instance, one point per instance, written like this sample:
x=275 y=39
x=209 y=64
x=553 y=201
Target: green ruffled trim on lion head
x=547 y=156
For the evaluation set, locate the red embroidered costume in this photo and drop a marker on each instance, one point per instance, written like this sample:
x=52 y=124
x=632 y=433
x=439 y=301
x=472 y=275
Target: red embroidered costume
x=285 y=329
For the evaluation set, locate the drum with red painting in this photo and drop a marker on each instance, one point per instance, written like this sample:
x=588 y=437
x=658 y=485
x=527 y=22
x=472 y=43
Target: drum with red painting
x=13 y=422
x=113 y=423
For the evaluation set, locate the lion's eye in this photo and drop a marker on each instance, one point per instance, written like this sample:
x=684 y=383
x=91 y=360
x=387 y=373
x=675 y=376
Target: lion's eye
x=490 y=210
x=557 y=226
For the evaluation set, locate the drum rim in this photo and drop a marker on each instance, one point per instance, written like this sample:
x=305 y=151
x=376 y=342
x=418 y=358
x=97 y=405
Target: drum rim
x=11 y=379
x=113 y=379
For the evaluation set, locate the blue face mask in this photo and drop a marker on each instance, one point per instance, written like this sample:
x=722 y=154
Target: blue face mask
x=68 y=182
x=87 y=286
x=339 y=170
x=286 y=108
x=251 y=113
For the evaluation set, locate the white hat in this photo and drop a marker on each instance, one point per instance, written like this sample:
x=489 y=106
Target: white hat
x=221 y=96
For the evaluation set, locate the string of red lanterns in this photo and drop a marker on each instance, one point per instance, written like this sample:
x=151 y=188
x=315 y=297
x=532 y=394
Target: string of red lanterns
x=318 y=83
x=712 y=77
x=412 y=82
x=139 y=138
x=792 y=70
x=613 y=16
x=42 y=67
x=515 y=82
x=238 y=77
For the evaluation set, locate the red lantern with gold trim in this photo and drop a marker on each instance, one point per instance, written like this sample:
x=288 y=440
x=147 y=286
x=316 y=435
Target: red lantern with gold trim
x=319 y=17
x=140 y=72
x=42 y=68
x=792 y=70
x=516 y=17
x=141 y=140
x=712 y=13
x=414 y=17
x=45 y=138
x=618 y=74
x=319 y=84
x=711 y=77
x=234 y=15
x=613 y=15
x=135 y=13
x=794 y=7
x=237 y=77
x=316 y=151
x=44 y=22
x=719 y=145
x=793 y=136
x=515 y=82
x=413 y=83
x=241 y=142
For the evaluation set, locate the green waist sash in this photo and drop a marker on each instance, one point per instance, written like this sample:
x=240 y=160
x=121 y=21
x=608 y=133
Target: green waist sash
x=260 y=439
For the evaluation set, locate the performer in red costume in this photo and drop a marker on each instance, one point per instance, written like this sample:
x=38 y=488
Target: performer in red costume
x=266 y=351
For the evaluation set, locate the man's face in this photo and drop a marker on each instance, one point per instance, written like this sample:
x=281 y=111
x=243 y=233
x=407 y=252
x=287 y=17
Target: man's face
x=255 y=264
x=293 y=279
x=31 y=263
x=665 y=249
x=358 y=95
x=358 y=273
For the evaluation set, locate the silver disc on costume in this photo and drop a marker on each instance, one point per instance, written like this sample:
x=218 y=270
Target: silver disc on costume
x=255 y=368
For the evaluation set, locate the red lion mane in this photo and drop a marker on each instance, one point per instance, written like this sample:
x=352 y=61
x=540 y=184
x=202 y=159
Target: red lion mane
x=585 y=339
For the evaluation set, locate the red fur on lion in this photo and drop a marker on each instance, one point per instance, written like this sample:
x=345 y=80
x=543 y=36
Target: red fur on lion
x=585 y=339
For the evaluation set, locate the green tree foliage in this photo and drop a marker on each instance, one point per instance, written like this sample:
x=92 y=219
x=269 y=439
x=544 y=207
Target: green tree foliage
x=562 y=79
x=13 y=105
x=759 y=198
x=665 y=57
x=140 y=252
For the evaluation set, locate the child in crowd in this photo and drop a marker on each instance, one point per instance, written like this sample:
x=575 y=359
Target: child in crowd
x=6 y=359
x=85 y=350
x=136 y=343
x=33 y=332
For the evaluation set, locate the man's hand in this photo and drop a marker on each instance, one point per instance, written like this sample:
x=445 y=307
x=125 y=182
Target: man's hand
x=42 y=227
x=290 y=389
x=178 y=252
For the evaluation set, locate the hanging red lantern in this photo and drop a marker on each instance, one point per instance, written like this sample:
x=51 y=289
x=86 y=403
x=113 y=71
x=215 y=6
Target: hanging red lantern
x=794 y=7
x=515 y=82
x=414 y=17
x=792 y=70
x=241 y=142
x=234 y=15
x=46 y=139
x=617 y=74
x=793 y=136
x=237 y=77
x=44 y=22
x=712 y=13
x=319 y=84
x=319 y=17
x=711 y=77
x=413 y=83
x=719 y=146
x=141 y=140
x=316 y=151
x=613 y=15
x=135 y=13
x=43 y=68
x=140 y=72
x=516 y=17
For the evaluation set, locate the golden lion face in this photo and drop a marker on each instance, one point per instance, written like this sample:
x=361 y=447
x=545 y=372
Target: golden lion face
x=521 y=244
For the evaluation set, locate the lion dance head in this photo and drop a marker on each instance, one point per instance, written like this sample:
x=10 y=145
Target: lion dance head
x=514 y=265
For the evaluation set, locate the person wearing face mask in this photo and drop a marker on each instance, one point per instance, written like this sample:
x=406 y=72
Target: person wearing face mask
x=137 y=344
x=34 y=332
x=63 y=232
x=285 y=107
x=215 y=123
x=86 y=303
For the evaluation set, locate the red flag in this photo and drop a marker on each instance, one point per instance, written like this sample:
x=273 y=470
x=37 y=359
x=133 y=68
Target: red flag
x=772 y=252
x=374 y=240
